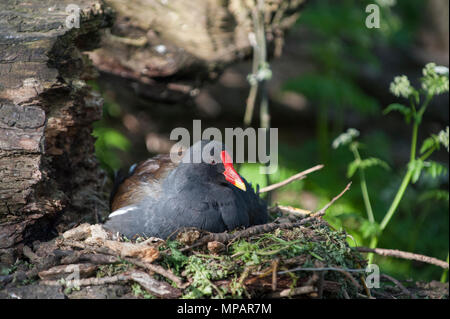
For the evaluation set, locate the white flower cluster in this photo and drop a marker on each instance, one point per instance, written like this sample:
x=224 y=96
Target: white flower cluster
x=443 y=138
x=401 y=86
x=345 y=137
x=435 y=79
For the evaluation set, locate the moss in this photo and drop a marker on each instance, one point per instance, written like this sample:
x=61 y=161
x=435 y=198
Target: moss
x=244 y=269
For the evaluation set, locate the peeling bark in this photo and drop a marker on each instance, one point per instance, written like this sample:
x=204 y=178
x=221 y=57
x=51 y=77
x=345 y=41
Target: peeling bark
x=48 y=171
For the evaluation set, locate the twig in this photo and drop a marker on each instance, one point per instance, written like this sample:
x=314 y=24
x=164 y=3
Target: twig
x=274 y=274
x=293 y=292
x=383 y=295
x=350 y=277
x=295 y=177
x=345 y=293
x=158 y=288
x=152 y=267
x=30 y=255
x=400 y=286
x=88 y=281
x=321 y=282
x=404 y=255
x=366 y=289
x=365 y=296
x=335 y=199
x=159 y=270
x=251 y=231
x=290 y=210
x=321 y=269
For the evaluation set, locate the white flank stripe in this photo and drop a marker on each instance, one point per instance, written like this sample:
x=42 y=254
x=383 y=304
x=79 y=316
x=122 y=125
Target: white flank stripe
x=122 y=211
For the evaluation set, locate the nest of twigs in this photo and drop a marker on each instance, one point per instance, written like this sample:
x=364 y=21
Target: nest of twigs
x=298 y=255
x=241 y=264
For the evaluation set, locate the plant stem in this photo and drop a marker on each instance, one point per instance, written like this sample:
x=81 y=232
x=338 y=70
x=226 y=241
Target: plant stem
x=366 y=198
x=415 y=132
x=401 y=191
x=397 y=199
x=364 y=190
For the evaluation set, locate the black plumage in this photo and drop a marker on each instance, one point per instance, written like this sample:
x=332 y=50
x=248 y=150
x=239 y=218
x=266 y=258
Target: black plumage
x=160 y=197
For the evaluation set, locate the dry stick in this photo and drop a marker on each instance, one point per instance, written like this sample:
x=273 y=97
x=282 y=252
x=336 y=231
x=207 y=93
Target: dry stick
x=404 y=255
x=320 y=288
x=345 y=293
x=265 y=228
x=293 y=292
x=89 y=281
x=334 y=199
x=251 y=231
x=295 y=177
x=30 y=255
x=105 y=250
x=345 y=271
x=399 y=285
x=290 y=210
x=274 y=274
x=350 y=277
x=159 y=288
x=365 y=296
x=159 y=270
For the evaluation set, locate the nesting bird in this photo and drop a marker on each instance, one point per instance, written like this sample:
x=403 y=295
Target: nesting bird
x=159 y=197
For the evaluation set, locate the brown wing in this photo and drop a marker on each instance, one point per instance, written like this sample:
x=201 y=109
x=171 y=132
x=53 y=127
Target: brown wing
x=145 y=181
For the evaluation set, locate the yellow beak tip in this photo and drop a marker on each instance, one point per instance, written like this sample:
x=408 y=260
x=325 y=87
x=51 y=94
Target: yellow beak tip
x=241 y=186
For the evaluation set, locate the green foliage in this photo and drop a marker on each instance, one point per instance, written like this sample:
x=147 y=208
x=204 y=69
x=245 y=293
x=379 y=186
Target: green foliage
x=176 y=260
x=257 y=254
x=365 y=163
x=109 y=140
x=138 y=291
x=433 y=169
x=333 y=91
x=435 y=195
x=434 y=82
x=406 y=111
x=369 y=229
x=429 y=143
x=205 y=269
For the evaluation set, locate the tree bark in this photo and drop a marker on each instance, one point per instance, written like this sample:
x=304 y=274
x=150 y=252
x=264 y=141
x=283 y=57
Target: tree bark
x=48 y=171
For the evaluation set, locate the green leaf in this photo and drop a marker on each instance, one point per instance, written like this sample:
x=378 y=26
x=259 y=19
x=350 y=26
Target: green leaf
x=406 y=111
x=435 y=194
x=365 y=163
x=416 y=167
x=373 y=161
x=432 y=141
x=369 y=229
x=435 y=169
x=352 y=168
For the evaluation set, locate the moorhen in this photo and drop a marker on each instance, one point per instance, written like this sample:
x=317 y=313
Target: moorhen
x=158 y=197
